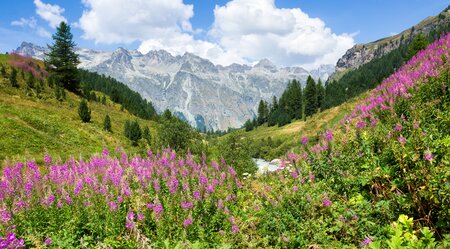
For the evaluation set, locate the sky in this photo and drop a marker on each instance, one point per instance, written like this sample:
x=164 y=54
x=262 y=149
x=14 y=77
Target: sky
x=304 y=33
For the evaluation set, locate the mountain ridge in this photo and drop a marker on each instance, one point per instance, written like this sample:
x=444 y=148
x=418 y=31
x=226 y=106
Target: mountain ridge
x=190 y=85
x=361 y=54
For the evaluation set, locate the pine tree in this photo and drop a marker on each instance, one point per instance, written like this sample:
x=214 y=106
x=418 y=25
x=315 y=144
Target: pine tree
x=310 y=97
x=30 y=80
x=135 y=133
x=248 y=125
x=419 y=43
x=84 y=112
x=104 y=100
x=3 y=71
x=146 y=135
x=320 y=94
x=60 y=93
x=296 y=100
x=107 y=123
x=13 y=78
x=63 y=60
x=274 y=104
x=126 y=129
x=263 y=112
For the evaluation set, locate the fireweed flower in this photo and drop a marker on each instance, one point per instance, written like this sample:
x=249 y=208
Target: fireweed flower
x=48 y=241
x=187 y=222
x=140 y=217
x=427 y=156
x=304 y=140
x=366 y=242
x=398 y=127
x=402 y=140
x=158 y=209
x=234 y=229
x=361 y=125
x=186 y=205
x=329 y=136
x=197 y=195
x=47 y=159
x=326 y=202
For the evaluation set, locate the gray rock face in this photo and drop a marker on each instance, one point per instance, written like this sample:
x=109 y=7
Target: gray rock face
x=207 y=95
x=361 y=54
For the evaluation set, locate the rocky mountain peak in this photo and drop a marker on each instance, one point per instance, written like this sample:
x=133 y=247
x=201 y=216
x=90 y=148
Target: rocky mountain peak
x=220 y=97
x=266 y=63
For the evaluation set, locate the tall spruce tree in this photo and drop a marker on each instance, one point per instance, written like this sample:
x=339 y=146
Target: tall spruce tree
x=30 y=80
x=263 y=112
x=320 y=94
x=310 y=97
x=135 y=133
x=84 y=112
x=296 y=100
x=3 y=71
x=13 y=78
x=146 y=135
x=107 y=123
x=63 y=60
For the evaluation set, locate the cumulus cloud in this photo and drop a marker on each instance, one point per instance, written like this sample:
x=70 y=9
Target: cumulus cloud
x=258 y=29
x=244 y=31
x=50 y=13
x=126 y=21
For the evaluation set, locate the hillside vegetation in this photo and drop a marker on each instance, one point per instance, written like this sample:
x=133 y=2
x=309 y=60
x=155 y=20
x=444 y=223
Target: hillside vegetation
x=33 y=123
x=351 y=83
x=379 y=178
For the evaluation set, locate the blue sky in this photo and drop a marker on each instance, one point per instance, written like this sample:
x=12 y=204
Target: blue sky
x=288 y=32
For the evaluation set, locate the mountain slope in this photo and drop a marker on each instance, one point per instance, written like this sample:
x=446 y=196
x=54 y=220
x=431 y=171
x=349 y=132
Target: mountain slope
x=191 y=86
x=361 y=54
x=32 y=125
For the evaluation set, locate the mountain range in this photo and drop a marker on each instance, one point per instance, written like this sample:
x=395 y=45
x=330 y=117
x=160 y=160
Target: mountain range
x=208 y=96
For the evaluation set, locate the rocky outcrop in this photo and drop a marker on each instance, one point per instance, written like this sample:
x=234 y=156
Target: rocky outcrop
x=361 y=54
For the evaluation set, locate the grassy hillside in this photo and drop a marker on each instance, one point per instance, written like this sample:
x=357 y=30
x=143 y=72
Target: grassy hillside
x=31 y=125
x=288 y=137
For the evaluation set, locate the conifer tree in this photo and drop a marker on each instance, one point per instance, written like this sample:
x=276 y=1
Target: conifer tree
x=146 y=135
x=320 y=94
x=3 y=71
x=126 y=129
x=107 y=123
x=296 y=100
x=13 y=78
x=84 y=112
x=248 y=125
x=30 y=80
x=63 y=60
x=135 y=133
x=263 y=112
x=310 y=97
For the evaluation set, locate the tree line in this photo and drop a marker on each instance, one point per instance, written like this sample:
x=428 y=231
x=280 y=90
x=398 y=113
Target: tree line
x=294 y=103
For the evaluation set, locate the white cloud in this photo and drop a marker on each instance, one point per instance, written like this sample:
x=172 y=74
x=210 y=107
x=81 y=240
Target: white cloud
x=50 y=13
x=258 y=29
x=244 y=31
x=32 y=24
x=126 y=21
x=23 y=22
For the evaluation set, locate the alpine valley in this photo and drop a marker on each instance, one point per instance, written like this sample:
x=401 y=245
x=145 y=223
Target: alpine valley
x=208 y=96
